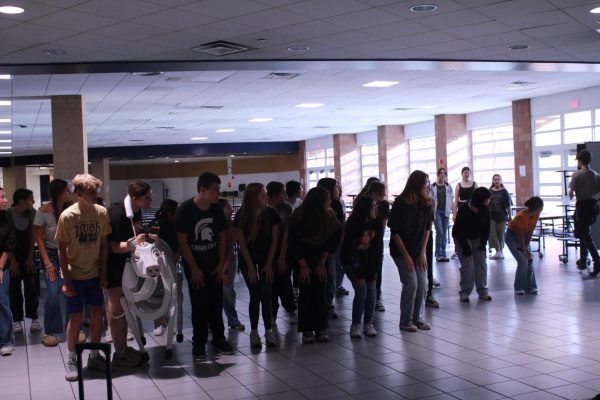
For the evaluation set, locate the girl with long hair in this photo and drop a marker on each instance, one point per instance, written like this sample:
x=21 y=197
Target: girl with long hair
x=410 y=224
x=7 y=246
x=464 y=190
x=313 y=238
x=256 y=230
x=500 y=214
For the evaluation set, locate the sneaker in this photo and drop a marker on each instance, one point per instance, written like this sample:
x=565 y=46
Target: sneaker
x=97 y=363
x=7 y=351
x=533 y=291
x=17 y=327
x=270 y=339
x=342 y=291
x=135 y=354
x=36 y=326
x=379 y=306
x=255 y=340
x=431 y=302
x=82 y=338
x=308 y=337
x=238 y=326
x=199 y=352
x=125 y=359
x=71 y=375
x=49 y=340
x=223 y=347
x=410 y=327
x=500 y=255
x=158 y=331
x=596 y=269
x=355 y=331
x=582 y=264
x=422 y=325
x=322 y=336
x=370 y=330
x=464 y=298
x=107 y=337
x=445 y=259
x=485 y=296
x=437 y=284
x=293 y=318
x=495 y=257
x=438 y=259
x=130 y=335
x=519 y=292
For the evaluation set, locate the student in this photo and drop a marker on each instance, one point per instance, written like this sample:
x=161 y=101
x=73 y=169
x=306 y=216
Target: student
x=518 y=236
x=442 y=197
x=44 y=226
x=23 y=269
x=256 y=228
x=293 y=192
x=200 y=224
x=361 y=251
x=500 y=213
x=410 y=224
x=7 y=246
x=82 y=252
x=464 y=190
x=314 y=237
x=585 y=183
x=470 y=232
x=376 y=191
x=231 y=263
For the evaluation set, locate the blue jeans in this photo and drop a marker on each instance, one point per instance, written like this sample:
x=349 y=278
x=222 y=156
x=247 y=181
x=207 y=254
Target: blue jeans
x=473 y=269
x=53 y=322
x=525 y=276
x=414 y=292
x=339 y=270
x=364 y=301
x=6 y=321
x=441 y=233
x=229 y=294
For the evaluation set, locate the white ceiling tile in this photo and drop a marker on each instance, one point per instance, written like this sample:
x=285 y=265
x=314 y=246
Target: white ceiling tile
x=480 y=29
x=311 y=29
x=223 y=30
x=75 y=21
x=222 y=9
x=455 y=18
x=33 y=32
x=129 y=31
x=118 y=9
x=403 y=9
x=506 y=9
x=324 y=9
x=174 y=19
x=364 y=19
x=451 y=46
x=424 y=38
x=345 y=39
x=270 y=19
x=538 y=20
x=555 y=30
x=501 y=39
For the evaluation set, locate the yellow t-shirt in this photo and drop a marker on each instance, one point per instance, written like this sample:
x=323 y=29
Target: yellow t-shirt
x=83 y=230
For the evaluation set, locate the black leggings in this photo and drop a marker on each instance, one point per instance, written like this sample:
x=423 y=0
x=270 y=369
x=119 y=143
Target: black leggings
x=260 y=293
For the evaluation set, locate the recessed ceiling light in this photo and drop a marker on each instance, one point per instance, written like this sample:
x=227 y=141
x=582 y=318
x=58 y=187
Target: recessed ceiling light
x=368 y=119
x=5 y=132
x=4 y=119
x=518 y=47
x=261 y=120
x=199 y=138
x=11 y=10
x=595 y=10
x=232 y=155
x=5 y=103
x=6 y=147
x=5 y=141
x=298 y=49
x=380 y=84
x=54 y=52
x=309 y=105
x=5 y=152
x=423 y=8
x=597 y=30
x=5 y=76
x=225 y=130
x=176 y=161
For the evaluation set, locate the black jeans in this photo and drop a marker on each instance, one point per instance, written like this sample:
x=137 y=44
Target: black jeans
x=585 y=215
x=429 y=256
x=31 y=294
x=207 y=309
x=312 y=305
x=282 y=289
x=260 y=293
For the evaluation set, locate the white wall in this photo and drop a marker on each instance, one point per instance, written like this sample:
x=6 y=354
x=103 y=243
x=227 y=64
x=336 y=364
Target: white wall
x=323 y=142
x=561 y=103
x=419 y=129
x=32 y=176
x=488 y=118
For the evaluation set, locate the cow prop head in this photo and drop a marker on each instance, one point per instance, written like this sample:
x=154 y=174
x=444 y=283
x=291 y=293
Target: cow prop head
x=147 y=260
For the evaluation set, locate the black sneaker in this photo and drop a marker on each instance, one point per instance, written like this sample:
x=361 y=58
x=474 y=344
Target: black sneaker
x=582 y=264
x=199 y=352
x=596 y=269
x=223 y=347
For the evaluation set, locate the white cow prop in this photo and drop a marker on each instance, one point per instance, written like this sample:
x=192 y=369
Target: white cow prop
x=144 y=298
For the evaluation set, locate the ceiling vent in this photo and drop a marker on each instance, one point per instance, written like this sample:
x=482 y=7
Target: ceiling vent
x=220 y=48
x=404 y=109
x=210 y=107
x=282 y=75
x=181 y=107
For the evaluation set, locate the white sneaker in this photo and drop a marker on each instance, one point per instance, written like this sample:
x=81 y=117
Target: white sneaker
x=36 y=326
x=500 y=255
x=355 y=331
x=130 y=336
x=293 y=318
x=158 y=331
x=108 y=336
x=7 y=351
x=17 y=327
x=370 y=330
x=255 y=340
x=71 y=374
x=270 y=339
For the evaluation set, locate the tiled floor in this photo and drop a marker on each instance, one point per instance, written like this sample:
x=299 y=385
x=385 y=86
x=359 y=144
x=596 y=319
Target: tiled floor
x=529 y=347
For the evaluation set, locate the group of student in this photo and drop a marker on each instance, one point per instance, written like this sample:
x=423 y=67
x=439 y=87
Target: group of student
x=283 y=244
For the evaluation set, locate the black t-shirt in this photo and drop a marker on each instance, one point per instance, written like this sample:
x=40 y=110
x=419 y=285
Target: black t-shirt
x=339 y=211
x=410 y=221
x=499 y=202
x=383 y=210
x=472 y=225
x=260 y=246
x=121 y=232
x=202 y=228
x=362 y=248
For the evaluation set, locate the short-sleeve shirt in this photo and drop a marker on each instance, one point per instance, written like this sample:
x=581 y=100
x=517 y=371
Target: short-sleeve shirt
x=499 y=203
x=523 y=223
x=83 y=231
x=202 y=228
x=259 y=248
x=47 y=220
x=586 y=184
x=121 y=232
x=410 y=222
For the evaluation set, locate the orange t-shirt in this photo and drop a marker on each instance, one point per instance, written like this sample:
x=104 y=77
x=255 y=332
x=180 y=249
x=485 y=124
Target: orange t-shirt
x=523 y=223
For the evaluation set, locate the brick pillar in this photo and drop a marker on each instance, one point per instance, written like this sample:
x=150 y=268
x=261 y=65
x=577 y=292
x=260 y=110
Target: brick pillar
x=69 y=136
x=14 y=177
x=346 y=156
x=452 y=145
x=521 y=114
x=100 y=169
x=393 y=158
x=302 y=163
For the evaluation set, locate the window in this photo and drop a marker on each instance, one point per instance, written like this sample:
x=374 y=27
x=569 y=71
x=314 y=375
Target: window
x=493 y=153
x=319 y=164
x=369 y=161
x=422 y=155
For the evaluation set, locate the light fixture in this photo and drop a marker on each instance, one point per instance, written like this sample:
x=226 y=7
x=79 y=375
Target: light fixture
x=54 y=52
x=368 y=119
x=423 y=8
x=225 y=130
x=597 y=30
x=5 y=141
x=298 y=49
x=261 y=120
x=5 y=152
x=309 y=105
x=232 y=155
x=199 y=138
x=380 y=84
x=518 y=47
x=595 y=10
x=5 y=76
x=176 y=161
x=6 y=147
x=5 y=102
x=5 y=132
x=11 y=10
x=5 y=119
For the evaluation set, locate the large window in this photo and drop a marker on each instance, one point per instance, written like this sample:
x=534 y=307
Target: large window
x=319 y=164
x=369 y=161
x=493 y=153
x=422 y=155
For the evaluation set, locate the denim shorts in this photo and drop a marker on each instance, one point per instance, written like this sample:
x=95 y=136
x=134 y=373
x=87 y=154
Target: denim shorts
x=87 y=291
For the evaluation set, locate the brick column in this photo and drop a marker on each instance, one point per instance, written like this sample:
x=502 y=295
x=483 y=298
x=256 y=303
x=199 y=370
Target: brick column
x=302 y=163
x=452 y=145
x=346 y=156
x=393 y=158
x=69 y=136
x=522 y=137
x=14 y=177
x=100 y=169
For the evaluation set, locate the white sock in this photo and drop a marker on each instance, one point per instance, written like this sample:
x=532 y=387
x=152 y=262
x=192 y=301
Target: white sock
x=72 y=355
